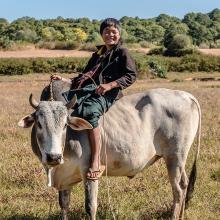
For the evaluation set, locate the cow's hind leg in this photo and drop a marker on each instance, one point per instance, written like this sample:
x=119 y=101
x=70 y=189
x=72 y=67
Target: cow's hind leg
x=64 y=200
x=176 y=172
x=183 y=184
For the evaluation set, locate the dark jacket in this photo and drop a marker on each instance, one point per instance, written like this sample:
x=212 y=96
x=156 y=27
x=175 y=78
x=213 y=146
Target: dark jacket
x=117 y=66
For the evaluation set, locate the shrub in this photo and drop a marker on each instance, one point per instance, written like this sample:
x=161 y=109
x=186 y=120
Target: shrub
x=15 y=66
x=157 y=65
x=179 y=41
x=66 y=45
x=209 y=64
x=145 y=44
x=5 y=43
x=89 y=47
x=204 y=45
x=180 y=52
x=71 y=45
x=59 y=45
x=45 y=45
x=41 y=65
x=141 y=64
x=157 y=69
x=132 y=45
x=157 y=51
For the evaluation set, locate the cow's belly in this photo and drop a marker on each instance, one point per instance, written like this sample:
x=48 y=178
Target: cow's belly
x=129 y=156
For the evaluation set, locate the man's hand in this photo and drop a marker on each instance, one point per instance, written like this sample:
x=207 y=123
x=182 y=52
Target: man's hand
x=103 y=88
x=55 y=77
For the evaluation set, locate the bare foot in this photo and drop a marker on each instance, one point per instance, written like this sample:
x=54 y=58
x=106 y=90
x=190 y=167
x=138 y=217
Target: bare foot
x=95 y=174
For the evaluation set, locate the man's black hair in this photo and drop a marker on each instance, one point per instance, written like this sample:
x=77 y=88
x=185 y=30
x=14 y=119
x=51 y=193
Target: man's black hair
x=110 y=22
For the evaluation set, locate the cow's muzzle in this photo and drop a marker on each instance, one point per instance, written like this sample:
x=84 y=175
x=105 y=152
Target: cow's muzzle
x=53 y=159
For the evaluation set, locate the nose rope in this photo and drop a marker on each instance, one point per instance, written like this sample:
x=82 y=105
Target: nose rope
x=51 y=89
x=106 y=170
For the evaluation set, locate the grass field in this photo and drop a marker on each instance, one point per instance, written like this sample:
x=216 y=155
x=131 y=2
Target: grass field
x=23 y=190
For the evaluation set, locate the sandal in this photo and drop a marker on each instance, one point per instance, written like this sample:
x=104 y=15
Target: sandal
x=97 y=173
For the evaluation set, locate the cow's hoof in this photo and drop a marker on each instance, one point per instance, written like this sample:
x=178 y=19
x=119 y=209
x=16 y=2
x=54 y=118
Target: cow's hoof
x=131 y=177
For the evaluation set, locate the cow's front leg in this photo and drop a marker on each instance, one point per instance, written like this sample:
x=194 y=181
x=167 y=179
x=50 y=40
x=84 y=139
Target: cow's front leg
x=91 y=194
x=64 y=200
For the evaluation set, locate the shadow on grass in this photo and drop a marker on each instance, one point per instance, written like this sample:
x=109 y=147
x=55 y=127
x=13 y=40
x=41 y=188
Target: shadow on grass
x=159 y=214
x=73 y=215
x=163 y=213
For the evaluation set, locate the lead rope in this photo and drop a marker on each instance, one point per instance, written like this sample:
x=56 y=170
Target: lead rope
x=50 y=99
x=106 y=170
x=51 y=89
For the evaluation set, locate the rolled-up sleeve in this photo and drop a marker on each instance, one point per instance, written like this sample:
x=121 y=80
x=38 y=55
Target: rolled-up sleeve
x=129 y=70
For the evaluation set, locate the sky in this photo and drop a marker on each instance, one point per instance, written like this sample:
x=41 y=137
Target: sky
x=100 y=9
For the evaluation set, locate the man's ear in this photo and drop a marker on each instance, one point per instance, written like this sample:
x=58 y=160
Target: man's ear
x=27 y=121
x=78 y=123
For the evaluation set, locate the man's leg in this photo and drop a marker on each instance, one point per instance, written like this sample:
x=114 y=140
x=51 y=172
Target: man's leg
x=94 y=139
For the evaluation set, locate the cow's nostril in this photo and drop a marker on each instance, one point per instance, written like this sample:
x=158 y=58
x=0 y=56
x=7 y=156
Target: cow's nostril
x=53 y=158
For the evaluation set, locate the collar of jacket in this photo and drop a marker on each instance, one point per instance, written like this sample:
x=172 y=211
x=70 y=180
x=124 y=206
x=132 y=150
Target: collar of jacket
x=101 y=49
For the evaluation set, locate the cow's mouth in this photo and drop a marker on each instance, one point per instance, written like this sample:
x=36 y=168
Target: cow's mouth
x=54 y=159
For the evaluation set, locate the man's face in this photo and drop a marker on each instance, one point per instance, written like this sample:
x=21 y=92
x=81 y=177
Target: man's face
x=110 y=36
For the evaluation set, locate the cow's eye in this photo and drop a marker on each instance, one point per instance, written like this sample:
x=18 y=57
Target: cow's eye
x=65 y=126
x=39 y=125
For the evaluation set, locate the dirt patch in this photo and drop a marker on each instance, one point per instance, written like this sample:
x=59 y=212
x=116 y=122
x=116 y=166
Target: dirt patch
x=214 y=52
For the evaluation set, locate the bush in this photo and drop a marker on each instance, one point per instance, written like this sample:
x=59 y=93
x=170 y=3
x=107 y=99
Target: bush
x=141 y=64
x=5 y=43
x=204 y=45
x=89 y=47
x=179 y=45
x=41 y=65
x=145 y=44
x=70 y=45
x=45 y=45
x=66 y=45
x=19 y=66
x=157 y=69
x=156 y=51
x=132 y=45
x=215 y=44
x=180 y=52
x=209 y=64
x=59 y=45
x=15 y=66
x=179 y=41
x=157 y=65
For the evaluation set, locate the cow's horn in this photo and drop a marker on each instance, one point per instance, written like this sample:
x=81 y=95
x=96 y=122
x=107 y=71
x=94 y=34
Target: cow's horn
x=72 y=102
x=33 y=102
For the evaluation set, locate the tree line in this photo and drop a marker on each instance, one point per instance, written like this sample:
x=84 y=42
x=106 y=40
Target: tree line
x=195 y=29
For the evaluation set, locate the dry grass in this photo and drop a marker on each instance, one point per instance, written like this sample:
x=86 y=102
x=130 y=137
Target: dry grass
x=24 y=194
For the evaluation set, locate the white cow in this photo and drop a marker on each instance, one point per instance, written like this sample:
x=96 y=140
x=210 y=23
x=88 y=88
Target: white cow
x=136 y=131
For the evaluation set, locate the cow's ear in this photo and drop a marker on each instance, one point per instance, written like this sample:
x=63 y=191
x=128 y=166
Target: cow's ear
x=78 y=123
x=27 y=121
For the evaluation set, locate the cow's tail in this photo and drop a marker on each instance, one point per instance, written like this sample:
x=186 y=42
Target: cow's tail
x=193 y=173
